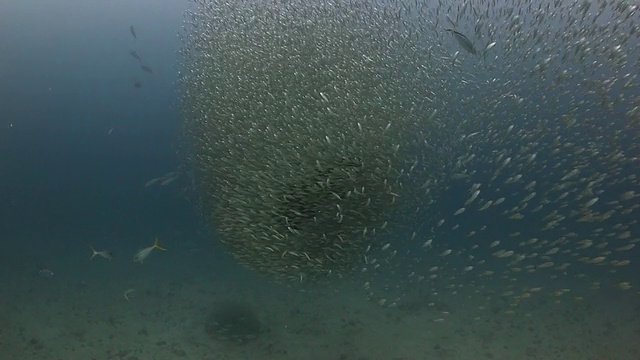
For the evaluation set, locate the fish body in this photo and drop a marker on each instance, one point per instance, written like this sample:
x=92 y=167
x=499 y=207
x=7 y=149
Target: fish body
x=146 y=68
x=135 y=55
x=168 y=181
x=104 y=254
x=152 y=182
x=490 y=46
x=472 y=198
x=142 y=254
x=463 y=41
x=164 y=180
x=133 y=31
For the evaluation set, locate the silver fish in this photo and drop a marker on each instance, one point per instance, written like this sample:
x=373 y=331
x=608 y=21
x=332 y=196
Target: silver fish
x=463 y=41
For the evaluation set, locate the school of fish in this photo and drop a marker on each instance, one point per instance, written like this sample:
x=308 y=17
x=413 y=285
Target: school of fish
x=333 y=138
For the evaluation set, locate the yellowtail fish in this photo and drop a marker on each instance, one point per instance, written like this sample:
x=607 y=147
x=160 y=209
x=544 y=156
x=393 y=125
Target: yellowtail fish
x=104 y=253
x=142 y=254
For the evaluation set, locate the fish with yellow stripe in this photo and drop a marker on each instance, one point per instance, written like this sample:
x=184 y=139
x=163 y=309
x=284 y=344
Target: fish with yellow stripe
x=142 y=254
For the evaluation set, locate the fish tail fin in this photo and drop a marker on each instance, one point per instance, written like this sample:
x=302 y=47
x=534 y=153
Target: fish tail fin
x=94 y=252
x=157 y=246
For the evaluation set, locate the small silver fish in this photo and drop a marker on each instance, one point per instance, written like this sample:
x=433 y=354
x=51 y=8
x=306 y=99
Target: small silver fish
x=463 y=41
x=490 y=46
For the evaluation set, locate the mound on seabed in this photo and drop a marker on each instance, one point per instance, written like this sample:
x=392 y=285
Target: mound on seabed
x=234 y=322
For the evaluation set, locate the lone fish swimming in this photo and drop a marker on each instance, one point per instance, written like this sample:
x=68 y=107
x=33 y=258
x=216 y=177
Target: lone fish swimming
x=142 y=254
x=463 y=41
x=104 y=253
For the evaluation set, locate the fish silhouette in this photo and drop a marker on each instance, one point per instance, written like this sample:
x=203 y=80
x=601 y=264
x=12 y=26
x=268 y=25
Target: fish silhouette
x=463 y=41
x=146 y=68
x=135 y=55
x=133 y=32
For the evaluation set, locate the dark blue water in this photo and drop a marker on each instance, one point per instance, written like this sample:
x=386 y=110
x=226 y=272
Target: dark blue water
x=84 y=126
x=78 y=139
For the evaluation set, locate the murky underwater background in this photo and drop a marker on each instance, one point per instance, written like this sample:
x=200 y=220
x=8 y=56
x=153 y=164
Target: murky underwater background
x=330 y=180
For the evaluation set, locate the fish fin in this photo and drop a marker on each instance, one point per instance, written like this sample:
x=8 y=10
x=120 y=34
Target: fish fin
x=157 y=246
x=94 y=252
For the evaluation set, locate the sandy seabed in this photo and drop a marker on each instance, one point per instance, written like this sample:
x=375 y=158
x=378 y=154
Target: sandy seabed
x=81 y=313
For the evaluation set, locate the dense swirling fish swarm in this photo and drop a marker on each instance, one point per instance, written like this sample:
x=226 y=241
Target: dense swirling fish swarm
x=299 y=116
x=316 y=125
